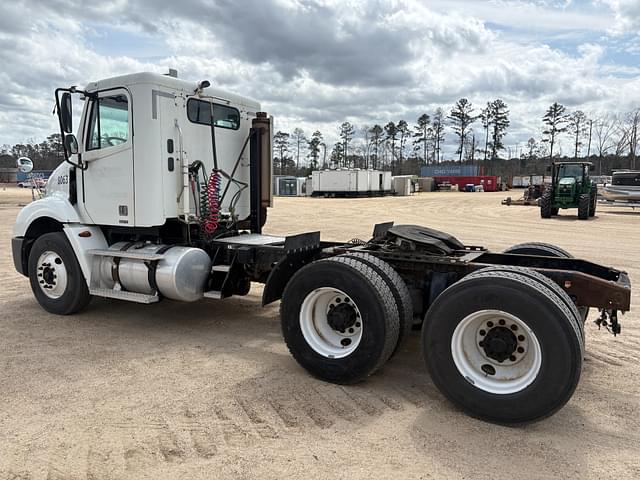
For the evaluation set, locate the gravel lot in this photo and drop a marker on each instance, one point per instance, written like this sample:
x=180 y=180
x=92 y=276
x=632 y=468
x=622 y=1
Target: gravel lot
x=208 y=390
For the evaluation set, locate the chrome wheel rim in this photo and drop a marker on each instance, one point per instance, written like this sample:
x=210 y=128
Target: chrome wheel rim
x=496 y=352
x=331 y=322
x=52 y=275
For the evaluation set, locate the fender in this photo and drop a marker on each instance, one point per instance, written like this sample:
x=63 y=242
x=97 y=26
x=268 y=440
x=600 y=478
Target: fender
x=91 y=238
x=55 y=206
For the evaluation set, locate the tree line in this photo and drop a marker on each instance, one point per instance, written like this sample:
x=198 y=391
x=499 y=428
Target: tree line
x=609 y=140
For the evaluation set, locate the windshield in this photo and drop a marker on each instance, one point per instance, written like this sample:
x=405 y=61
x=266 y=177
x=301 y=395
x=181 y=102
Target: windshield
x=570 y=171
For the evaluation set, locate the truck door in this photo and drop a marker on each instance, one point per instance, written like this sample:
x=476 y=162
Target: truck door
x=107 y=183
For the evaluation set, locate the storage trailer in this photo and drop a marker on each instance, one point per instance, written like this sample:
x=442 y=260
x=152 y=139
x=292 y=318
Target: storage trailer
x=345 y=182
x=168 y=200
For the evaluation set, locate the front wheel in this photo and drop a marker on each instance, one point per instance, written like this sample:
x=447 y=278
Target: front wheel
x=55 y=275
x=503 y=348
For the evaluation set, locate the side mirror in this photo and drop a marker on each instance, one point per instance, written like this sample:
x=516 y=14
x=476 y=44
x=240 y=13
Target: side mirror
x=65 y=112
x=71 y=144
x=24 y=164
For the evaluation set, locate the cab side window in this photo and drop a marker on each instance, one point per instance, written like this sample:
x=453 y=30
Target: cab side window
x=108 y=122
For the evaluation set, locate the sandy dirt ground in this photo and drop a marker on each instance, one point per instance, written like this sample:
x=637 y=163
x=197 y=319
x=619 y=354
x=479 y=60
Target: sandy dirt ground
x=208 y=390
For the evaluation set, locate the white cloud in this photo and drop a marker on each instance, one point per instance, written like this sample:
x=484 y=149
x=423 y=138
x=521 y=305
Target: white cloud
x=315 y=63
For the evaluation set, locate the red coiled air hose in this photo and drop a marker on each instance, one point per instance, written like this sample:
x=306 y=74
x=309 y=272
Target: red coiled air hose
x=210 y=223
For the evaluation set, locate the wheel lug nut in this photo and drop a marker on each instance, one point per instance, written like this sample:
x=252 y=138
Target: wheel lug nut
x=512 y=358
x=357 y=324
x=489 y=324
x=351 y=330
x=345 y=342
x=481 y=344
x=521 y=338
x=514 y=327
x=520 y=350
x=501 y=322
x=483 y=333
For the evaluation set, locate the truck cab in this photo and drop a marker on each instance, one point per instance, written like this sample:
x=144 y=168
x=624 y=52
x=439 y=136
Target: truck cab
x=153 y=158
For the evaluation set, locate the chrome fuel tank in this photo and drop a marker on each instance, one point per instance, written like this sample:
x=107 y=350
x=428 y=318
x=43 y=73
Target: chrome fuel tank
x=181 y=273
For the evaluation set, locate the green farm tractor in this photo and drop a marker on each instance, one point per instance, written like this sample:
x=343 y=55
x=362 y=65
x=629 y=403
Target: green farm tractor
x=571 y=187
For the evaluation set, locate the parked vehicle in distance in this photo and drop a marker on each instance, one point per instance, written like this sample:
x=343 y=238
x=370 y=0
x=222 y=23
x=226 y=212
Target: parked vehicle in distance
x=571 y=187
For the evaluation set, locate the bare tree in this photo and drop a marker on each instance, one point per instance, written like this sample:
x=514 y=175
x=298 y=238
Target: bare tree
x=604 y=128
x=632 y=124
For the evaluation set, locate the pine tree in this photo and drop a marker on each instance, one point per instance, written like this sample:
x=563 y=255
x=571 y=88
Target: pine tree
x=376 y=139
x=498 y=123
x=556 y=121
x=281 y=146
x=578 y=125
x=462 y=118
x=313 y=146
x=346 y=133
x=298 y=139
x=437 y=127
x=421 y=135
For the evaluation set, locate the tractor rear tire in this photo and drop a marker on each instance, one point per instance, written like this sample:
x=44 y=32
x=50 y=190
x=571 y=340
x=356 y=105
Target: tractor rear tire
x=546 y=209
x=538 y=248
x=503 y=348
x=339 y=319
x=593 y=201
x=398 y=289
x=584 y=206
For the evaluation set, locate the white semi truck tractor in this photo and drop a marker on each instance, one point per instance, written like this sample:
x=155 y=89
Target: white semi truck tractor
x=164 y=193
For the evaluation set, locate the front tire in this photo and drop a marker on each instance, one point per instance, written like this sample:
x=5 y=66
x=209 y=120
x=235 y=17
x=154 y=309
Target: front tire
x=55 y=275
x=503 y=348
x=339 y=319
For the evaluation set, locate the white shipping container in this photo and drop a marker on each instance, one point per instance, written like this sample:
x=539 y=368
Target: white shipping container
x=516 y=181
x=402 y=185
x=350 y=181
x=537 y=179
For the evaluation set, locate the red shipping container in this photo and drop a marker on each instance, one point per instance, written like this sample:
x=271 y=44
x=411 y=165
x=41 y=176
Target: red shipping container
x=489 y=183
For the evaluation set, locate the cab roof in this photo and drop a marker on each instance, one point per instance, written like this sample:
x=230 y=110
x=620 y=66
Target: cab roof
x=169 y=83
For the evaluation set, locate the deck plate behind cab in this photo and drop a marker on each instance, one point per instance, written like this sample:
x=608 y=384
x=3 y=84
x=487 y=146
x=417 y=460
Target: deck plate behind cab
x=427 y=237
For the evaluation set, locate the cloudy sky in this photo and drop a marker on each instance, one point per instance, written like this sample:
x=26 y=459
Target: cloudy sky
x=315 y=63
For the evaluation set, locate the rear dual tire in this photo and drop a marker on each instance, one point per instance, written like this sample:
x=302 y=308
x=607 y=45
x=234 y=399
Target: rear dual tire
x=340 y=320
x=503 y=347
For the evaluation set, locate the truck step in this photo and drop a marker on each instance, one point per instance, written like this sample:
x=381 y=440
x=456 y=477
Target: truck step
x=221 y=268
x=213 y=294
x=151 y=257
x=123 y=295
